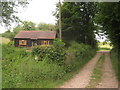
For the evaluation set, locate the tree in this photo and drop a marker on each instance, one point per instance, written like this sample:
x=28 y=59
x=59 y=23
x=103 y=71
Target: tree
x=44 y=26
x=109 y=18
x=77 y=22
x=28 y=25
x=8 y=11
x=17 y=29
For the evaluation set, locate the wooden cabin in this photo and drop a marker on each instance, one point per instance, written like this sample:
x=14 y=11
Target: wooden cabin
x=32 y=38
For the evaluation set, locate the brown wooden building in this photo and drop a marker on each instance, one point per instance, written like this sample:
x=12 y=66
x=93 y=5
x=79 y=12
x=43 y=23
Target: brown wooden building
x=32 y=38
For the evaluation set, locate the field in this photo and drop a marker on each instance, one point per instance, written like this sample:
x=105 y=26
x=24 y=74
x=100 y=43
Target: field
x=104 y=47
x=4 y=40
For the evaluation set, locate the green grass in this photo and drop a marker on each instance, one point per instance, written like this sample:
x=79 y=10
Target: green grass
x=104 y=49
x=114 y=59
x=97 y=73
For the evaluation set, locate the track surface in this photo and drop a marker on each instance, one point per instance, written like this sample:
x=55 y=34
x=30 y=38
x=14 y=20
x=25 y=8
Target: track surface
x=81 y=80
x=109 y=79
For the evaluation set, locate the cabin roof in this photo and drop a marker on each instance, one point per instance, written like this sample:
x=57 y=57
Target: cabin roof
x=36 y=34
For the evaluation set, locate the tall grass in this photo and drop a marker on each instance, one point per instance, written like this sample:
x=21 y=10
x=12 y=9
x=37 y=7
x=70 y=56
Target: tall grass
x=115 y=62
x=20 y=70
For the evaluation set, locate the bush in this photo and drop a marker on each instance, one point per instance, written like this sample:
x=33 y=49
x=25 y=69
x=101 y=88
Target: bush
x=58 y=43
x=81 y=54
x=55 y=53
x=20 y=69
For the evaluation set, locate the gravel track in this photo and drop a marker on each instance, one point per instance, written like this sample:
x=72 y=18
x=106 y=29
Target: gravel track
x=109 y=79
x=81 y=79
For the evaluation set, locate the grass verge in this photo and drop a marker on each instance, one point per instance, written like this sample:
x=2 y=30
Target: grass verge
x=115 y=63
x=97 y=73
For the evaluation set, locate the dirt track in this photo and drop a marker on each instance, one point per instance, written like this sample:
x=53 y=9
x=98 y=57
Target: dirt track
x=81 y=80
x=109 y=79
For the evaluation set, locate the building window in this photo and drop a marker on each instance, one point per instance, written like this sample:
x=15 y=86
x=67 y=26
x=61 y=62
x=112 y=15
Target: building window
x=22 y=42
x=45 y=42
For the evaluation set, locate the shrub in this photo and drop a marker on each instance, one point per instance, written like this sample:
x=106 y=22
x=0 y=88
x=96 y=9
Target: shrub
x=58 y=43
x=20 y=69
x=54 y=54
x=81 y=54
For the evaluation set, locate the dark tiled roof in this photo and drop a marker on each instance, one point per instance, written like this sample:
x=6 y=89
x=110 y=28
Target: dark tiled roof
x=36 y=34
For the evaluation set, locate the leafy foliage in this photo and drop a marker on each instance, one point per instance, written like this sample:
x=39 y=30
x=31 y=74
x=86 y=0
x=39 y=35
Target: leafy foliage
x=109 y=18
x=115 y=61
x=52 y=53
x=21 y=71
x=44 y=26
x=28 y=25
x=20 y=64
x=78 y=53
x=58 y=43
x=8 y=11
x=77 y=22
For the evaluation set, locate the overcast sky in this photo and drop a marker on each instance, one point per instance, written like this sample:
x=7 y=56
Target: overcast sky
x=37 y=11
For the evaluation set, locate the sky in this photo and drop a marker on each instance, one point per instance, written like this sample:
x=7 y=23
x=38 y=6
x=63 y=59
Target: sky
x=37 y=11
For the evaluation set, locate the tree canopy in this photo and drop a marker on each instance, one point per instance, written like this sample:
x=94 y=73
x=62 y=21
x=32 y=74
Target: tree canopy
x=44 y=26
x=8 y=11
x=77 y=22
x=108 y=17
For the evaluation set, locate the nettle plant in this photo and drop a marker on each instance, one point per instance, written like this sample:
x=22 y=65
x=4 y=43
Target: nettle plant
x=53 y=53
